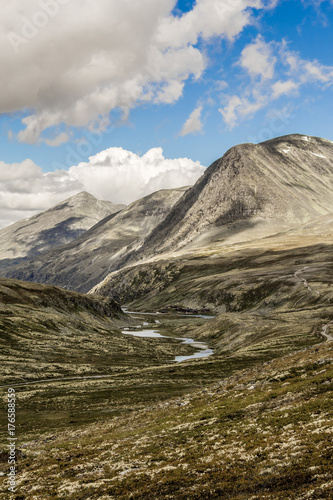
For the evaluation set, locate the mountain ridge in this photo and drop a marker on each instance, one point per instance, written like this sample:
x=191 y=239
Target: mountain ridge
x=53 y=227
x=82 y=263
x=252 y=192
x=242 y=198
x=276 y=215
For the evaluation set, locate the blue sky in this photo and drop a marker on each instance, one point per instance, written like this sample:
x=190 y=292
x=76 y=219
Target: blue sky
x=192 y=78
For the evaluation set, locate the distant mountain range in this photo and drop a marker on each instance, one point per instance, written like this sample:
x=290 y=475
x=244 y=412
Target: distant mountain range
x=251 y=193
x=85 y=261
x=54 y=227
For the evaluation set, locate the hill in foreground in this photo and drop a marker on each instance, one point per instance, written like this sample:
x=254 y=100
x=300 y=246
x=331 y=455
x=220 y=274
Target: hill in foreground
x=47 y=332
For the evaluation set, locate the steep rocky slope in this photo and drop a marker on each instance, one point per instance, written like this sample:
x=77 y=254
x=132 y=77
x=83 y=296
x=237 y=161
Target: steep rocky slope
x=87 y=260
x=54 y=227
x=252 y=191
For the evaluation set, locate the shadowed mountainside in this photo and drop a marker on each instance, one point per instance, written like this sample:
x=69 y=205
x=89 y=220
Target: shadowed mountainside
x=87 y=260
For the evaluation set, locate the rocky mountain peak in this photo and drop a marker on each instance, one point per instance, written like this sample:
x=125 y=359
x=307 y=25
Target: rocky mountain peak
x=253 y=190
x=56 y=226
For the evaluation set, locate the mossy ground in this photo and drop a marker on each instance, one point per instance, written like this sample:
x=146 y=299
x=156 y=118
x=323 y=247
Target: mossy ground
x=141 y=430
x=263 y=433
x=111 y=373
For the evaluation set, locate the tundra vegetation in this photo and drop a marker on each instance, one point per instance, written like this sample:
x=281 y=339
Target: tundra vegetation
x=101 y=414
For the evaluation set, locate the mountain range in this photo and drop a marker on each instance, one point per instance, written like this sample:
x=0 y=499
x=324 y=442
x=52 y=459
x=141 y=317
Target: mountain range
x=55 y=227
x=241 y=262
x=252 y=192
x=85 y=261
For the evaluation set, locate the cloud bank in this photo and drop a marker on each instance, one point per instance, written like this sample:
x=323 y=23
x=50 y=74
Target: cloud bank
x=115 y=174
x=71 y=61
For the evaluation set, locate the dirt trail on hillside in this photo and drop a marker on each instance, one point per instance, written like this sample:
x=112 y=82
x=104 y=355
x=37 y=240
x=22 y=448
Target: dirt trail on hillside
x=325 y=330
x=304 y=281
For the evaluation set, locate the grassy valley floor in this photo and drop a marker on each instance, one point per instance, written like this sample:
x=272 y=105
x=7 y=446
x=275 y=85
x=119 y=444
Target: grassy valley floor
x=101 y=414
x=263 y=433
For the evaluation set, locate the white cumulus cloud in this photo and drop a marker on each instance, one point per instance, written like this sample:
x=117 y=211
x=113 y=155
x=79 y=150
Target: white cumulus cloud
x=122 y=176
x=284 y=87
x=258 y=59
x=73 y=61
x=115 y=174
x=265 y=84
x=193 y=123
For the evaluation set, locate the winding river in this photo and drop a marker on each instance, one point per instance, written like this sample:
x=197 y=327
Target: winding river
x=143 y=330
x=146 y=331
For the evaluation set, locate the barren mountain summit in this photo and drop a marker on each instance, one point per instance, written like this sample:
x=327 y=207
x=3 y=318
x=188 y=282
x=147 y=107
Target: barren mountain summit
x=252 y=191
x=54 y=227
